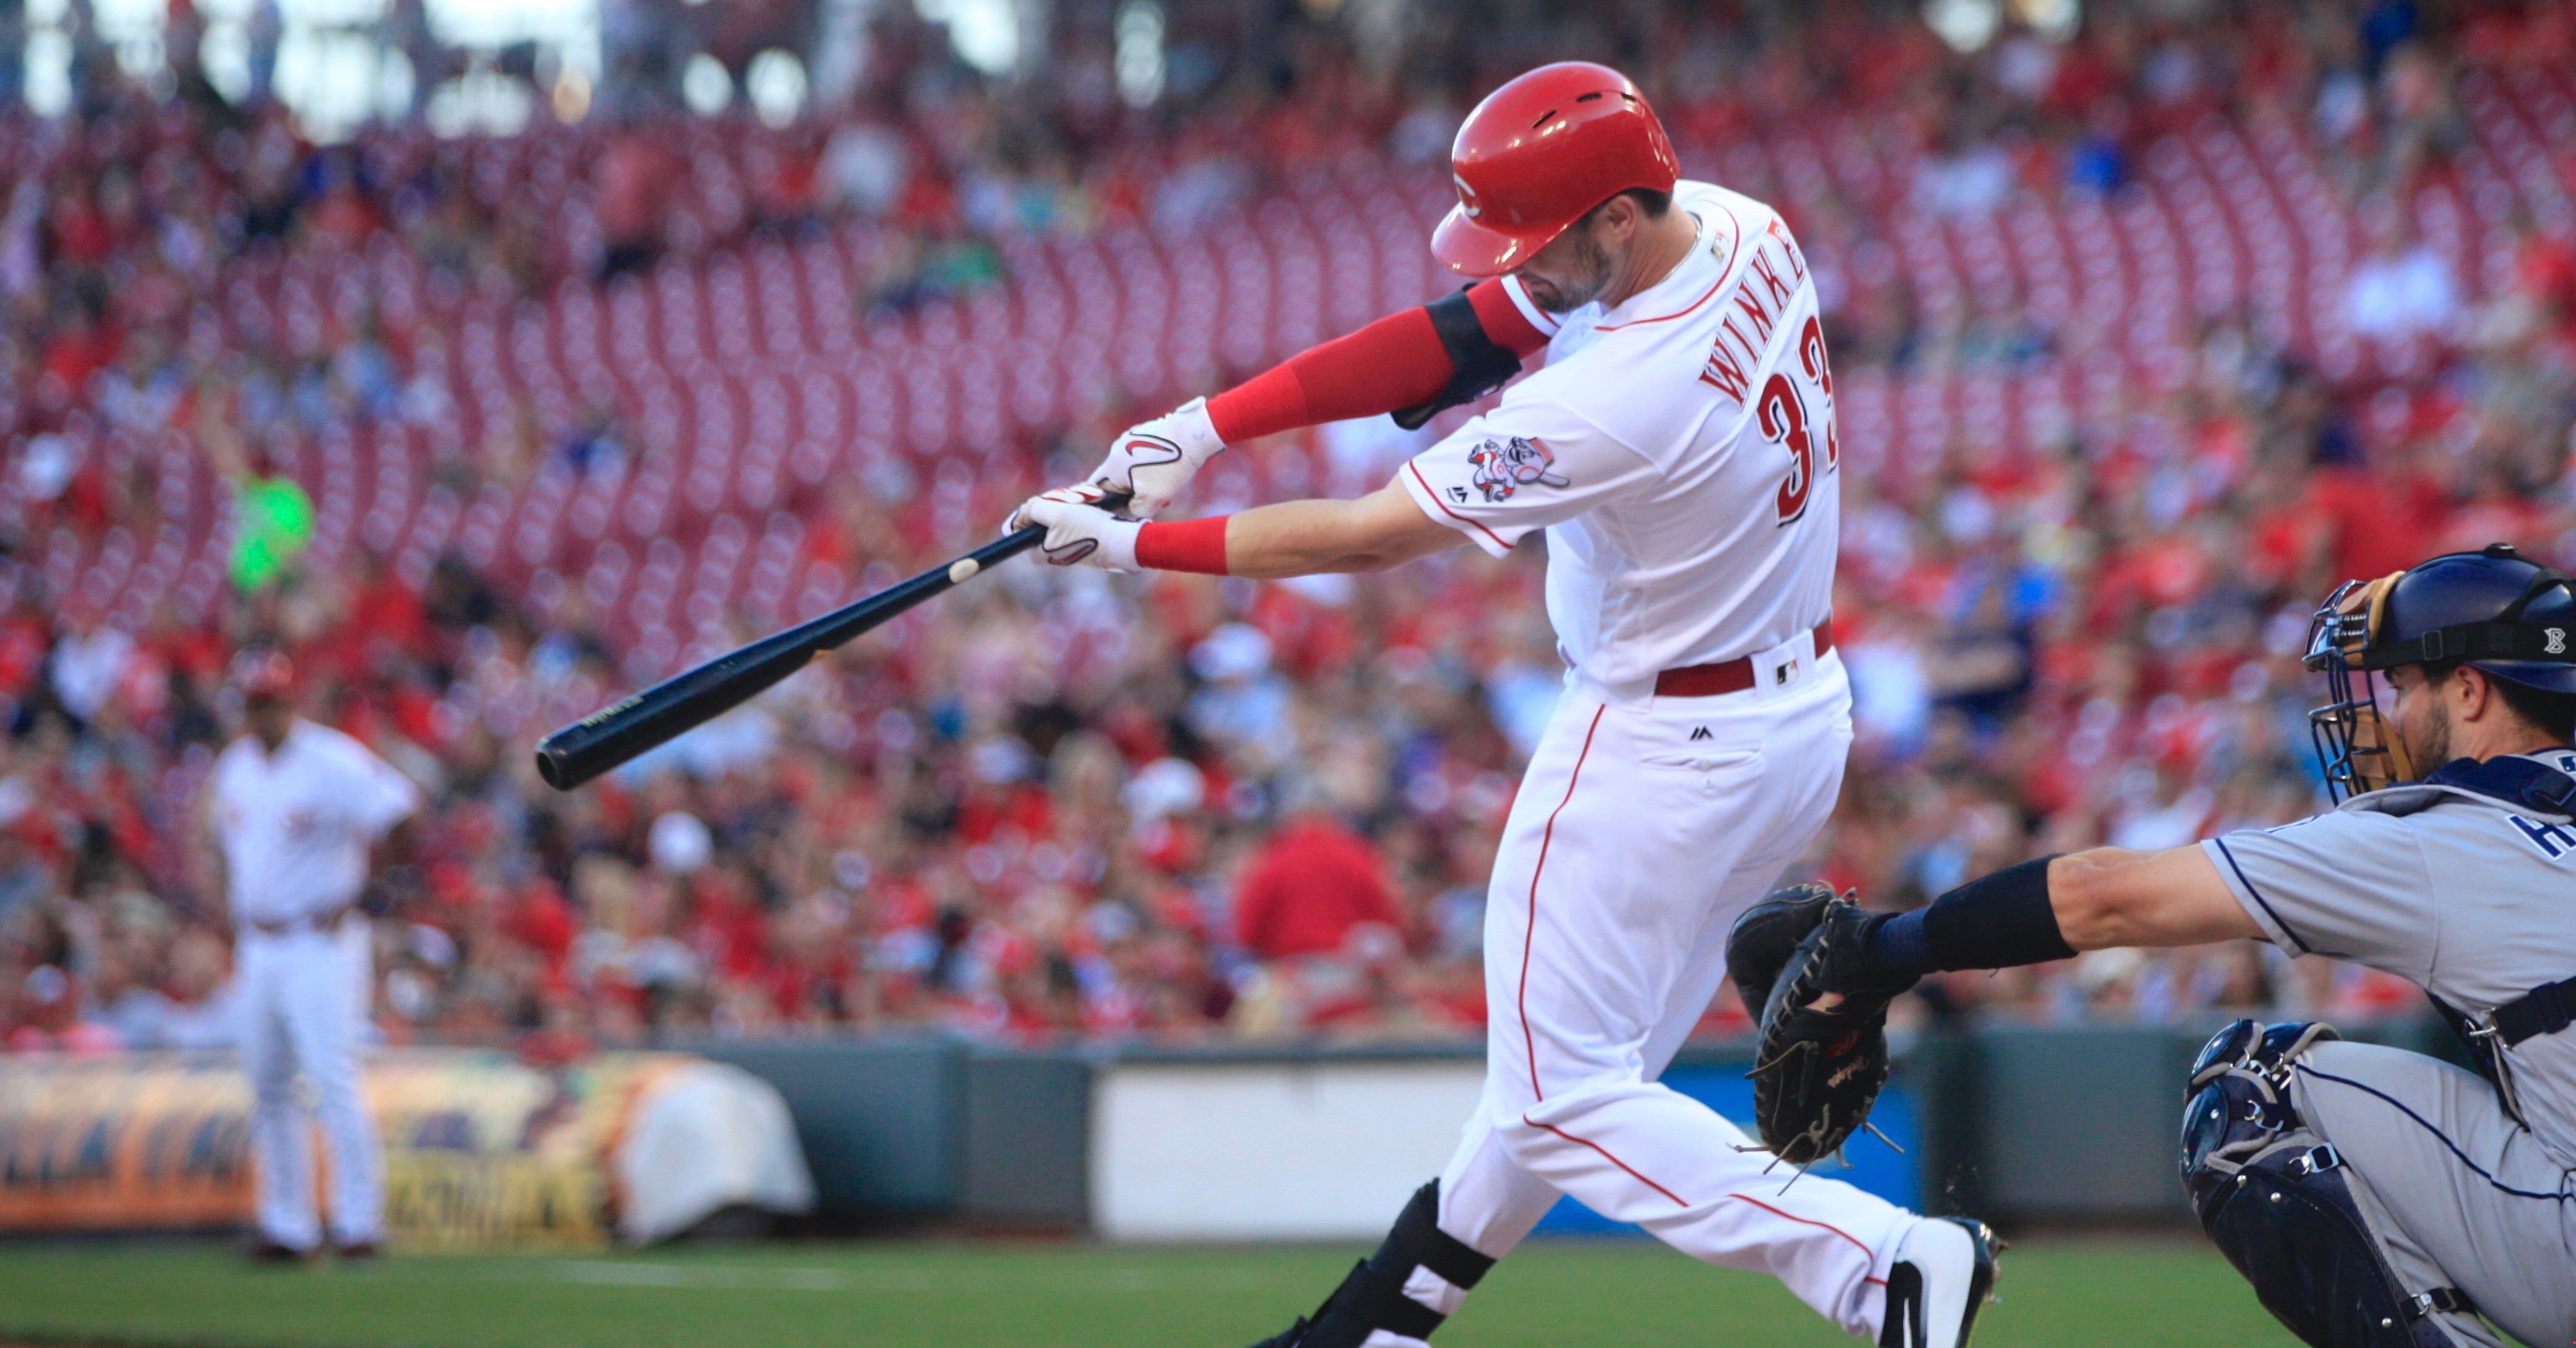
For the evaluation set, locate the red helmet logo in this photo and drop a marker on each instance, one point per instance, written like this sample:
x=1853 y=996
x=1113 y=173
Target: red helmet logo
x=1539 y=153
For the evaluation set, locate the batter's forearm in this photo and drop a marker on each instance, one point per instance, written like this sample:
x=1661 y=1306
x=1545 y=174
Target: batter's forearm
x=1295 y=538
x=1306 y=538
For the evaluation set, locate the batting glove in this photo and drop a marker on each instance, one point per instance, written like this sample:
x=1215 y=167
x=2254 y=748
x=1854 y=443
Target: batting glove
x=1079 y=530
x=1154 y=460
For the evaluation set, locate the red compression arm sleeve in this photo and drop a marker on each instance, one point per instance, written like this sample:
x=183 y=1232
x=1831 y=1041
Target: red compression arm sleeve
x=1393 y=363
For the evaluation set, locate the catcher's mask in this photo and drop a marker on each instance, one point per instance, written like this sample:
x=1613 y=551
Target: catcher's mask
x=2511 y=618
x=2355 y=742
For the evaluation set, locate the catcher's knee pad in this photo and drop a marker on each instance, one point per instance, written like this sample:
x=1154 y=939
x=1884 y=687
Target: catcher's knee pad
x=1373 y=1296
x=2278 y=1202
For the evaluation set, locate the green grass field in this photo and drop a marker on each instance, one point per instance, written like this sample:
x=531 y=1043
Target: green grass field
x=1551 y=1294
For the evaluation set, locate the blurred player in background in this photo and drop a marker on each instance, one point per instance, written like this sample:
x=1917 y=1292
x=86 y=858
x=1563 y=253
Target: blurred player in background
x=1678 y=449
x=298 y=811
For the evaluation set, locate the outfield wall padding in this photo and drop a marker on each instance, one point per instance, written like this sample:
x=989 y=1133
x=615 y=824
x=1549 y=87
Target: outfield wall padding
x=882 y=1120
x=1026 y=1144
x=1270 y=1150
x=2064 y=1124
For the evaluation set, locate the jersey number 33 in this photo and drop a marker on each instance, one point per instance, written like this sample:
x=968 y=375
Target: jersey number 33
x=1781 y=411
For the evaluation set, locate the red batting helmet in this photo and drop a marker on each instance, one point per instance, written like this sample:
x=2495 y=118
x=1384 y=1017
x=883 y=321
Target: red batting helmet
x=1540 y=152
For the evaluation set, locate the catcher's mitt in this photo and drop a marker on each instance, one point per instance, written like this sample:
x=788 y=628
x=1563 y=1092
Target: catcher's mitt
x=1816 y=1073
x=1760 y=943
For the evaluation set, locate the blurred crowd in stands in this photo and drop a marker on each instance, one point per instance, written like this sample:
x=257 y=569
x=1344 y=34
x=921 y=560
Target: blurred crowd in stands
x=1177 y=806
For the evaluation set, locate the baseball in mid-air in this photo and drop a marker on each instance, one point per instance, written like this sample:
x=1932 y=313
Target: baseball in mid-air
x=963 y=570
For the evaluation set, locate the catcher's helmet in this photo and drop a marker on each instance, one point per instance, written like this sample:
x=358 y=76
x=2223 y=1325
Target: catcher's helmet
x=2500 y=613
x=1540 y=152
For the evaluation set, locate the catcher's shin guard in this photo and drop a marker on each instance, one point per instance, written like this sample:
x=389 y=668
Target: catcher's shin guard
x=1373 y=1297
x=2277 y=1201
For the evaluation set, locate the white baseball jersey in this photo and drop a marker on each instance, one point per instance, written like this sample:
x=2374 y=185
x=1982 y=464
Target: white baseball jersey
x=295 y=825
x=1679 y=451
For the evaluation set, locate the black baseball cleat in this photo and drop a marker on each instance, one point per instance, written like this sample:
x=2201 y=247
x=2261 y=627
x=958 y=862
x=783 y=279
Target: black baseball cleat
x=1943 y=1272
x=360 y=1252
x=266 y=1251
x=1763 y=938
x=1372 y=1296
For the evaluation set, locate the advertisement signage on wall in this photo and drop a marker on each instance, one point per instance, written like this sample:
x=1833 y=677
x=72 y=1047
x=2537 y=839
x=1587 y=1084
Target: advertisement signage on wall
x=481 y=1149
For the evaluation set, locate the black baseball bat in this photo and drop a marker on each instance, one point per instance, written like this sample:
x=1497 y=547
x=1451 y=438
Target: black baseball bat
x=622 y=730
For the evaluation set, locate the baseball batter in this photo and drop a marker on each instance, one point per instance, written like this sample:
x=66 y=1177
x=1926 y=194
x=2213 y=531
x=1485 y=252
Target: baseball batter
x=297 y=809
x=1678 y=452
x=2375 y=1198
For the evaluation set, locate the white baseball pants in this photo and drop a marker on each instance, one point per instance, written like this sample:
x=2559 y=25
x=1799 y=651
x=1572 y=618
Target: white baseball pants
x=1642 y=829
x=303 y=1003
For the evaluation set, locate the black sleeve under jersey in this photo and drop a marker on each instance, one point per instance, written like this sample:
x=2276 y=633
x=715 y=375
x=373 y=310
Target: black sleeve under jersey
x=1477 y=363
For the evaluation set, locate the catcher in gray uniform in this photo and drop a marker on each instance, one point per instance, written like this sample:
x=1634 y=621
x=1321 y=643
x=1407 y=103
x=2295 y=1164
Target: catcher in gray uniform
x=2373 y=1197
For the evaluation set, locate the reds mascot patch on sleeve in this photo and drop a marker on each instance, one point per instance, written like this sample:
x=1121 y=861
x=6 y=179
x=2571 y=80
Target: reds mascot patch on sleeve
x=1504 y=466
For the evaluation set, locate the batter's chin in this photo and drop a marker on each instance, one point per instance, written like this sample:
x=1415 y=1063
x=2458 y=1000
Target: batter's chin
x=1546 y=296
x=1558 y=298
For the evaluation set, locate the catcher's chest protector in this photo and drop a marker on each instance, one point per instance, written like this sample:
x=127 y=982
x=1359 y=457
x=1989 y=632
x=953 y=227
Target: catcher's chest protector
x=2277 y=1200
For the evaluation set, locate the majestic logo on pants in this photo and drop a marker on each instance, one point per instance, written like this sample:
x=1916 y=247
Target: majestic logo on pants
x=1504 y=466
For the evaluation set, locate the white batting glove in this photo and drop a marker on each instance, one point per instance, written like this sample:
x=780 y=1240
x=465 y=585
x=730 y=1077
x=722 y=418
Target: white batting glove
x=1078 y=530
x=1153 y=460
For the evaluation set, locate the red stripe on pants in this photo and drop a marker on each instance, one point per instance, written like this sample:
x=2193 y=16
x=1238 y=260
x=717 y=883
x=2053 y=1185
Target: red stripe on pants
x=1605 y=1155
x=1546 y=836
x=1810 y=1221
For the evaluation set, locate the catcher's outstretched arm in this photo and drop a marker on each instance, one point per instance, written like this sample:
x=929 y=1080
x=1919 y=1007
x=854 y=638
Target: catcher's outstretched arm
x=2051 y=909
x=1822 y=1055
x=2111 y=897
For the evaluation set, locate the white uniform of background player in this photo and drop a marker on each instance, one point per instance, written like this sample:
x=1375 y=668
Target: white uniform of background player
x=295 y=822
x=1678 y=452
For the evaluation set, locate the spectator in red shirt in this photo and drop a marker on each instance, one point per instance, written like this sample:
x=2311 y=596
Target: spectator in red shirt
x=383 y=608
x=1308 y=886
